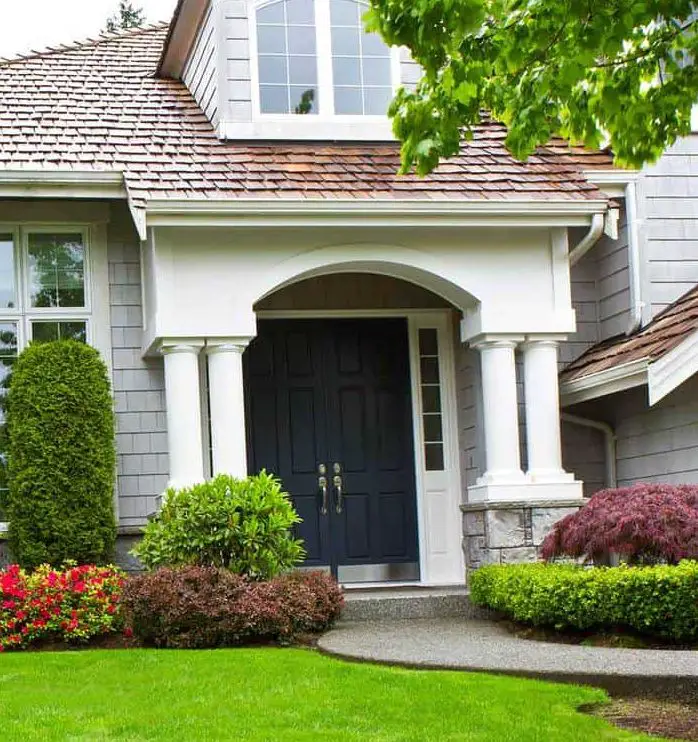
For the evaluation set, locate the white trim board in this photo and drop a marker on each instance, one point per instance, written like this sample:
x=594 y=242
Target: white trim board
x=609 y=381
x=673 y=368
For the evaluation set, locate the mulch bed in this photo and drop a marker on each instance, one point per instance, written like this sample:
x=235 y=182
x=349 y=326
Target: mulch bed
x=618 y=639
x=661 y=718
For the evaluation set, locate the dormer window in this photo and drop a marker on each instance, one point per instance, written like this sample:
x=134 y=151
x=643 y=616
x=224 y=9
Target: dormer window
x=314 y=58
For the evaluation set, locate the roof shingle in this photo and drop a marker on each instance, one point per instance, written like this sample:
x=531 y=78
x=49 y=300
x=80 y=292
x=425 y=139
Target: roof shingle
x=667 y=330
x=99 y=106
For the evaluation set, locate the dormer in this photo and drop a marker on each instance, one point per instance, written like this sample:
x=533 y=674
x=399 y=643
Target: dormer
x=286 y=69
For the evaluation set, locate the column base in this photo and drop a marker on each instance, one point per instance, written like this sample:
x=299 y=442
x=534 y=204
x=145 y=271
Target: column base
x=525 y=490
x=508 y=532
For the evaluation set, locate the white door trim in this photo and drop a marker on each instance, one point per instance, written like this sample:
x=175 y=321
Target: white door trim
x=439 y=528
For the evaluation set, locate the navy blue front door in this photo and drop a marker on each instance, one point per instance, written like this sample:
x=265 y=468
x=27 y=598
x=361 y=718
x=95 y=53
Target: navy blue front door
x=329 y=411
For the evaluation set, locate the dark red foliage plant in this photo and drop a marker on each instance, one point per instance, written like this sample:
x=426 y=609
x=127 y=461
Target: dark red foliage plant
x=645 y=524
x=202 y=607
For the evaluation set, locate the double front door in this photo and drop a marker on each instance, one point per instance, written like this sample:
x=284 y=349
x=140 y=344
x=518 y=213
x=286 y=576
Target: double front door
x=329 y=412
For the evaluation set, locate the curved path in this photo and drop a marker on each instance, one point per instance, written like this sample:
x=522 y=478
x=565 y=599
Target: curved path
x=481 y=645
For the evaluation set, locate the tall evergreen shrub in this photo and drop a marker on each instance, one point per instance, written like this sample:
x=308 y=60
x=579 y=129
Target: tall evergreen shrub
x=60 y=425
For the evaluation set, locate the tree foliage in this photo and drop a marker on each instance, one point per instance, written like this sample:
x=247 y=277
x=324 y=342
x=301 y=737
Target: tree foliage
x=646 y=523
x=60 y=426
x=617 y=71
x=125 y=17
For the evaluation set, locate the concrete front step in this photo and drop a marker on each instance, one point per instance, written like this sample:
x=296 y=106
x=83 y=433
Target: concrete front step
x=375 y=604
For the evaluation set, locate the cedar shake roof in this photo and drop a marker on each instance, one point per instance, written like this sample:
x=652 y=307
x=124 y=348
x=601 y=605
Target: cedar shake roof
x=667 y=330
x=98 y=106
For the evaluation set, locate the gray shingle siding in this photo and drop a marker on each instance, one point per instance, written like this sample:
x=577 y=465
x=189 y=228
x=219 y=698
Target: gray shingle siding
x=139 y=386
x=200 y=73
x=470 y=443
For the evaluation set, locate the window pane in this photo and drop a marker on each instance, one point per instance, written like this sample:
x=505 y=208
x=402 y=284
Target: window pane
x=46 y=332
x=273 y=13
x=347 y=101
x=428 y=343
x=273 y=69
x=377 y=72
x=432 y=428
x=431 y=398
x=430 y=370
x=8 y=353
x=300 y=11
x=303 y=71
x=434 y=456
x=304 y=100
x=345 y=41
x=273 y=98
x=346 y=12
x=271 y=39
x=377 y=101
x=301 y=40
x=347 y=71
x=373 y=45
x=57 y=270
x=8 y=299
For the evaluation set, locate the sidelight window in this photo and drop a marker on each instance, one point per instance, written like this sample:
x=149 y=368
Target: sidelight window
x=432 y=414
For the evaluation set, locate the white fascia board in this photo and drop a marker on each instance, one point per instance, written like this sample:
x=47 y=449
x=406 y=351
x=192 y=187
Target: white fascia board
x=612 y=182
x=299 y=212
x=61 y=184
x=602 y=383
x=671 y=370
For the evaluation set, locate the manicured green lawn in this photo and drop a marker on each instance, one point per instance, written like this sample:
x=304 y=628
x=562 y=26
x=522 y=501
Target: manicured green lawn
x=276 y=694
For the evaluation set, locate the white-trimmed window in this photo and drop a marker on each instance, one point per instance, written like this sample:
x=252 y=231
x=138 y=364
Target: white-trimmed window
x=313 y=57
x=44 y=290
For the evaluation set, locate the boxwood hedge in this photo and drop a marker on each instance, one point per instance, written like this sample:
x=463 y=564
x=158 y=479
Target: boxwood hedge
x=60 y=425
x=658 y=600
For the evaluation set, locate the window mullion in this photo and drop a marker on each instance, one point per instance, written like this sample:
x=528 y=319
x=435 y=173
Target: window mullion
x=324 y=57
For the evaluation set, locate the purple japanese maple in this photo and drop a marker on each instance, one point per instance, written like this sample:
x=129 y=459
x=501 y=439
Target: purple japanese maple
x=645 y=523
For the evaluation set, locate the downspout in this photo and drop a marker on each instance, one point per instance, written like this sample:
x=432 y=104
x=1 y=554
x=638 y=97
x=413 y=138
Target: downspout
x=636 y=303
x=610 y=477
x=589 y=239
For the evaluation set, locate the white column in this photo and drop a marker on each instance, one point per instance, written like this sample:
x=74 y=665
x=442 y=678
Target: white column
x=183 y=401
x=542 y=411
x=500 y=412
x=227 y=402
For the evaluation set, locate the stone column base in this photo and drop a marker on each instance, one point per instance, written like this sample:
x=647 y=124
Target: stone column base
x=510 y=531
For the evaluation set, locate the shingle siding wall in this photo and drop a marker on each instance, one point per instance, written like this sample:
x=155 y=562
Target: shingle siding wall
x=200 y=73
x=238 y=98
x=668 y=192
x=658 y=444
x=583 y=454
x=139 y=385
x=470 y=442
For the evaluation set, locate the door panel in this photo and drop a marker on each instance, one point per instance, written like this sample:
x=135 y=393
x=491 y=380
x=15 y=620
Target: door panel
x=337 y=392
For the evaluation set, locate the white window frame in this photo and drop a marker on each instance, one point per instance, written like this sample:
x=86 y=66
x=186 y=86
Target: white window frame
x=325 y=124
x=23 y=314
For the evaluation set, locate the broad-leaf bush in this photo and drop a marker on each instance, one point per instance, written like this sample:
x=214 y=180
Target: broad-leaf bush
x=645 y=523
x=657 y=600
x=60 y=424
x=203 y=607
x=243 y=525
x=70 y=605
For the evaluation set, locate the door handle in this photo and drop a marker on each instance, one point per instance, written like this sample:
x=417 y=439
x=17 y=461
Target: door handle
x=322 y=484
x=337 y=481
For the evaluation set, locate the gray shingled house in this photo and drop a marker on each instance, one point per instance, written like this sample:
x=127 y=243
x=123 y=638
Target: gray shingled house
x=219 y=205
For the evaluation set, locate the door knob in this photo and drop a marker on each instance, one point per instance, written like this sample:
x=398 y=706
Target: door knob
x=337 y=481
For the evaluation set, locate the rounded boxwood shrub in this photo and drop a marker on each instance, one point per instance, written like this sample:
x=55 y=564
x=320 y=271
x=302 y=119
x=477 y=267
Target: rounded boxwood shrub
x=204 y=607
x=645 y=523
x=657 y=600
x=243 y=525
x=61 y=468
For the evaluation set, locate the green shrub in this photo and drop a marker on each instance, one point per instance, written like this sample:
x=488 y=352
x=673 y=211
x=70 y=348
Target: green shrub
x=659 y=600
x=205 y=607
x=243 y=525
x=60 y=425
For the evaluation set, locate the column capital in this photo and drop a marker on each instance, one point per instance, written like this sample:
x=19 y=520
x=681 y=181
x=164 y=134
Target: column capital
x=227 y=345
x=542 y=341
x=170 y=346
x=482 y=342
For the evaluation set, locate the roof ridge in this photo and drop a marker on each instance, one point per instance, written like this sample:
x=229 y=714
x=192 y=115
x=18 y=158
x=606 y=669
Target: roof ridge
x=104 y=36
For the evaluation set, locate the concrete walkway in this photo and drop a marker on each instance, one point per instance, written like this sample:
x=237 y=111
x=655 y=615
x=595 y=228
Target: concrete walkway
x=481 y=645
